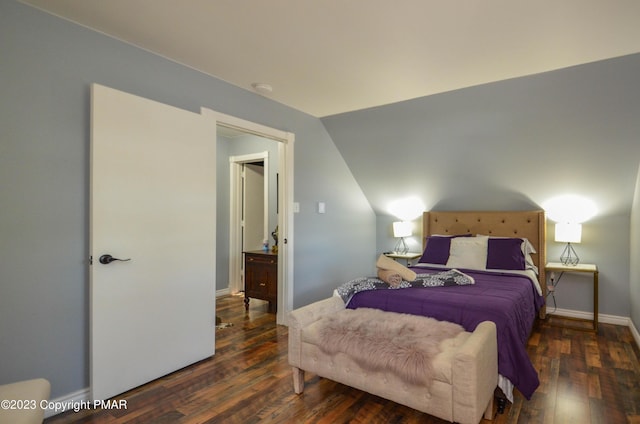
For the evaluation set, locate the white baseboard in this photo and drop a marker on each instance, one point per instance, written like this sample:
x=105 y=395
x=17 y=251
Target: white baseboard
x=227 y=292
x=603 y=318
x=223 y=292
x=73 y=401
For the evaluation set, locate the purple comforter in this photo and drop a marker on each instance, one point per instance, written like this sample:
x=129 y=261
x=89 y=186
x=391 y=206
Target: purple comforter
x=511 y=301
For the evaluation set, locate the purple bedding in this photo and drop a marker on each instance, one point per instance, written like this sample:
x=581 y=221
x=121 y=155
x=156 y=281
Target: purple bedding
x=511 y=301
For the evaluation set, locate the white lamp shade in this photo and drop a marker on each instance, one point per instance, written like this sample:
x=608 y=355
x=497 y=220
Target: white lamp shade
x=568 y=232
x=402 y=229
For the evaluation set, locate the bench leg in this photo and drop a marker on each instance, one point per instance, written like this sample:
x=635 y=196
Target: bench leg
x=488 y=413
x=298 y=380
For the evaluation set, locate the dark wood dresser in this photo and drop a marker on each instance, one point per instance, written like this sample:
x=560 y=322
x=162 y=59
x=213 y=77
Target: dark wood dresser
x=261 y=277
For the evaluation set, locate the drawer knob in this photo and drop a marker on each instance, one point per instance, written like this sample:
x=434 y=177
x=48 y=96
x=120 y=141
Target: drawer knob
x=263 y=284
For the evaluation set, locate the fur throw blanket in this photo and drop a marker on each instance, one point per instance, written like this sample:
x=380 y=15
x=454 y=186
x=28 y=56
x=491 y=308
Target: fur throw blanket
x=399 y=343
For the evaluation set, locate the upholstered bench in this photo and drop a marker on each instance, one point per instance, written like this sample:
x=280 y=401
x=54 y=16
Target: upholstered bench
x=22 y=401
x=465 y=371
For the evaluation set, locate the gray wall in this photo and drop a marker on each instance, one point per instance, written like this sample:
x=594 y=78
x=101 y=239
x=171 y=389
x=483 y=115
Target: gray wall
x=513 y=145
x=46 y=67
x=635 y=256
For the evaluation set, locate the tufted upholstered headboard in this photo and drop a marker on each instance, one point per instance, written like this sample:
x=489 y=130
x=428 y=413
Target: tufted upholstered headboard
x=524 y=224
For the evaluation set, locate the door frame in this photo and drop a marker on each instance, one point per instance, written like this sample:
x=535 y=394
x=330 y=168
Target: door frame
x=285 y=201
x=235 y=211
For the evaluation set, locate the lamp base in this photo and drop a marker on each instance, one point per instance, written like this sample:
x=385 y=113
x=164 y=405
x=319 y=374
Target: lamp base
x=569 y=256
x=401 y=247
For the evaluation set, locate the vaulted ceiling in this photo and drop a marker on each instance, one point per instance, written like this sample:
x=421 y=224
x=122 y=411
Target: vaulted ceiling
x=333 y=56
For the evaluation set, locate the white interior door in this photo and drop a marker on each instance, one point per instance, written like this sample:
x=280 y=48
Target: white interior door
x=253 y=207
x=153 y=194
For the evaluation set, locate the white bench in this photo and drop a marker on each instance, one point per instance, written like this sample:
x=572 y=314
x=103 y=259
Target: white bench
x=462 y=392
x=23 y=401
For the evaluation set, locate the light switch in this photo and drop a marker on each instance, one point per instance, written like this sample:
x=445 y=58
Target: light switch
x=321 y=207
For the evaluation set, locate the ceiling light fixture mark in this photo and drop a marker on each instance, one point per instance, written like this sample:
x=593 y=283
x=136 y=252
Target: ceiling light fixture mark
x=262 y=88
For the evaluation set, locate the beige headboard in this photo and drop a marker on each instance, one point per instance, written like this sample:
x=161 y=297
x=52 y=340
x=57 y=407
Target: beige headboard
x=524 y=224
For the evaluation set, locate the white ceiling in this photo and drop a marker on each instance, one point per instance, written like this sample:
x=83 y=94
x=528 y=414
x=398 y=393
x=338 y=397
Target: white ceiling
x=325 y=57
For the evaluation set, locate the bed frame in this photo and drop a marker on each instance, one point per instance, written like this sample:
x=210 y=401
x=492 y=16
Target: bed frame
x=526 y=224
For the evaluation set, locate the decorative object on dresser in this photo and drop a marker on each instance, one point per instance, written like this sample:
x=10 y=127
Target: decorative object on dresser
x=261 y=277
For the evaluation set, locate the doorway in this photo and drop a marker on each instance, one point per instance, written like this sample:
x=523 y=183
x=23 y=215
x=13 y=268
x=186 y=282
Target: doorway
x=282 y=193
x=254 y=210
x=252 y=201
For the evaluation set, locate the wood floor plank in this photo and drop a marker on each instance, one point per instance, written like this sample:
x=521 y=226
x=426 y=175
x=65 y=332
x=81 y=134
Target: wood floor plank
x=612 y=395
x=584 y=378
x=592 y=354
x=594 y=384
x=551 y=397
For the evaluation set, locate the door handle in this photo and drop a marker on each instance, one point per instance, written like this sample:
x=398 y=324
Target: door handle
x=107 y=259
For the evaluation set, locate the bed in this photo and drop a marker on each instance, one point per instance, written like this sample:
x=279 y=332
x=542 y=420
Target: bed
x=511 y=298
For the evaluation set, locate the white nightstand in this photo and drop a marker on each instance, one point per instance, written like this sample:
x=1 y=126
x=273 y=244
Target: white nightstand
x=406 y=256
x=557 y=267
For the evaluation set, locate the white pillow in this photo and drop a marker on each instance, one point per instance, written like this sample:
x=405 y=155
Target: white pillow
x=468 y=252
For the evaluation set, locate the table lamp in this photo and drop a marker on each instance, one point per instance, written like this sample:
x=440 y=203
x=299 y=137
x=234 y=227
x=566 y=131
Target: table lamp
x=401 y=229
x=567 y=232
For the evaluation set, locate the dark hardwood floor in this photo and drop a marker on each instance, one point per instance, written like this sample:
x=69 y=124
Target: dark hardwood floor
x=585 y=378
